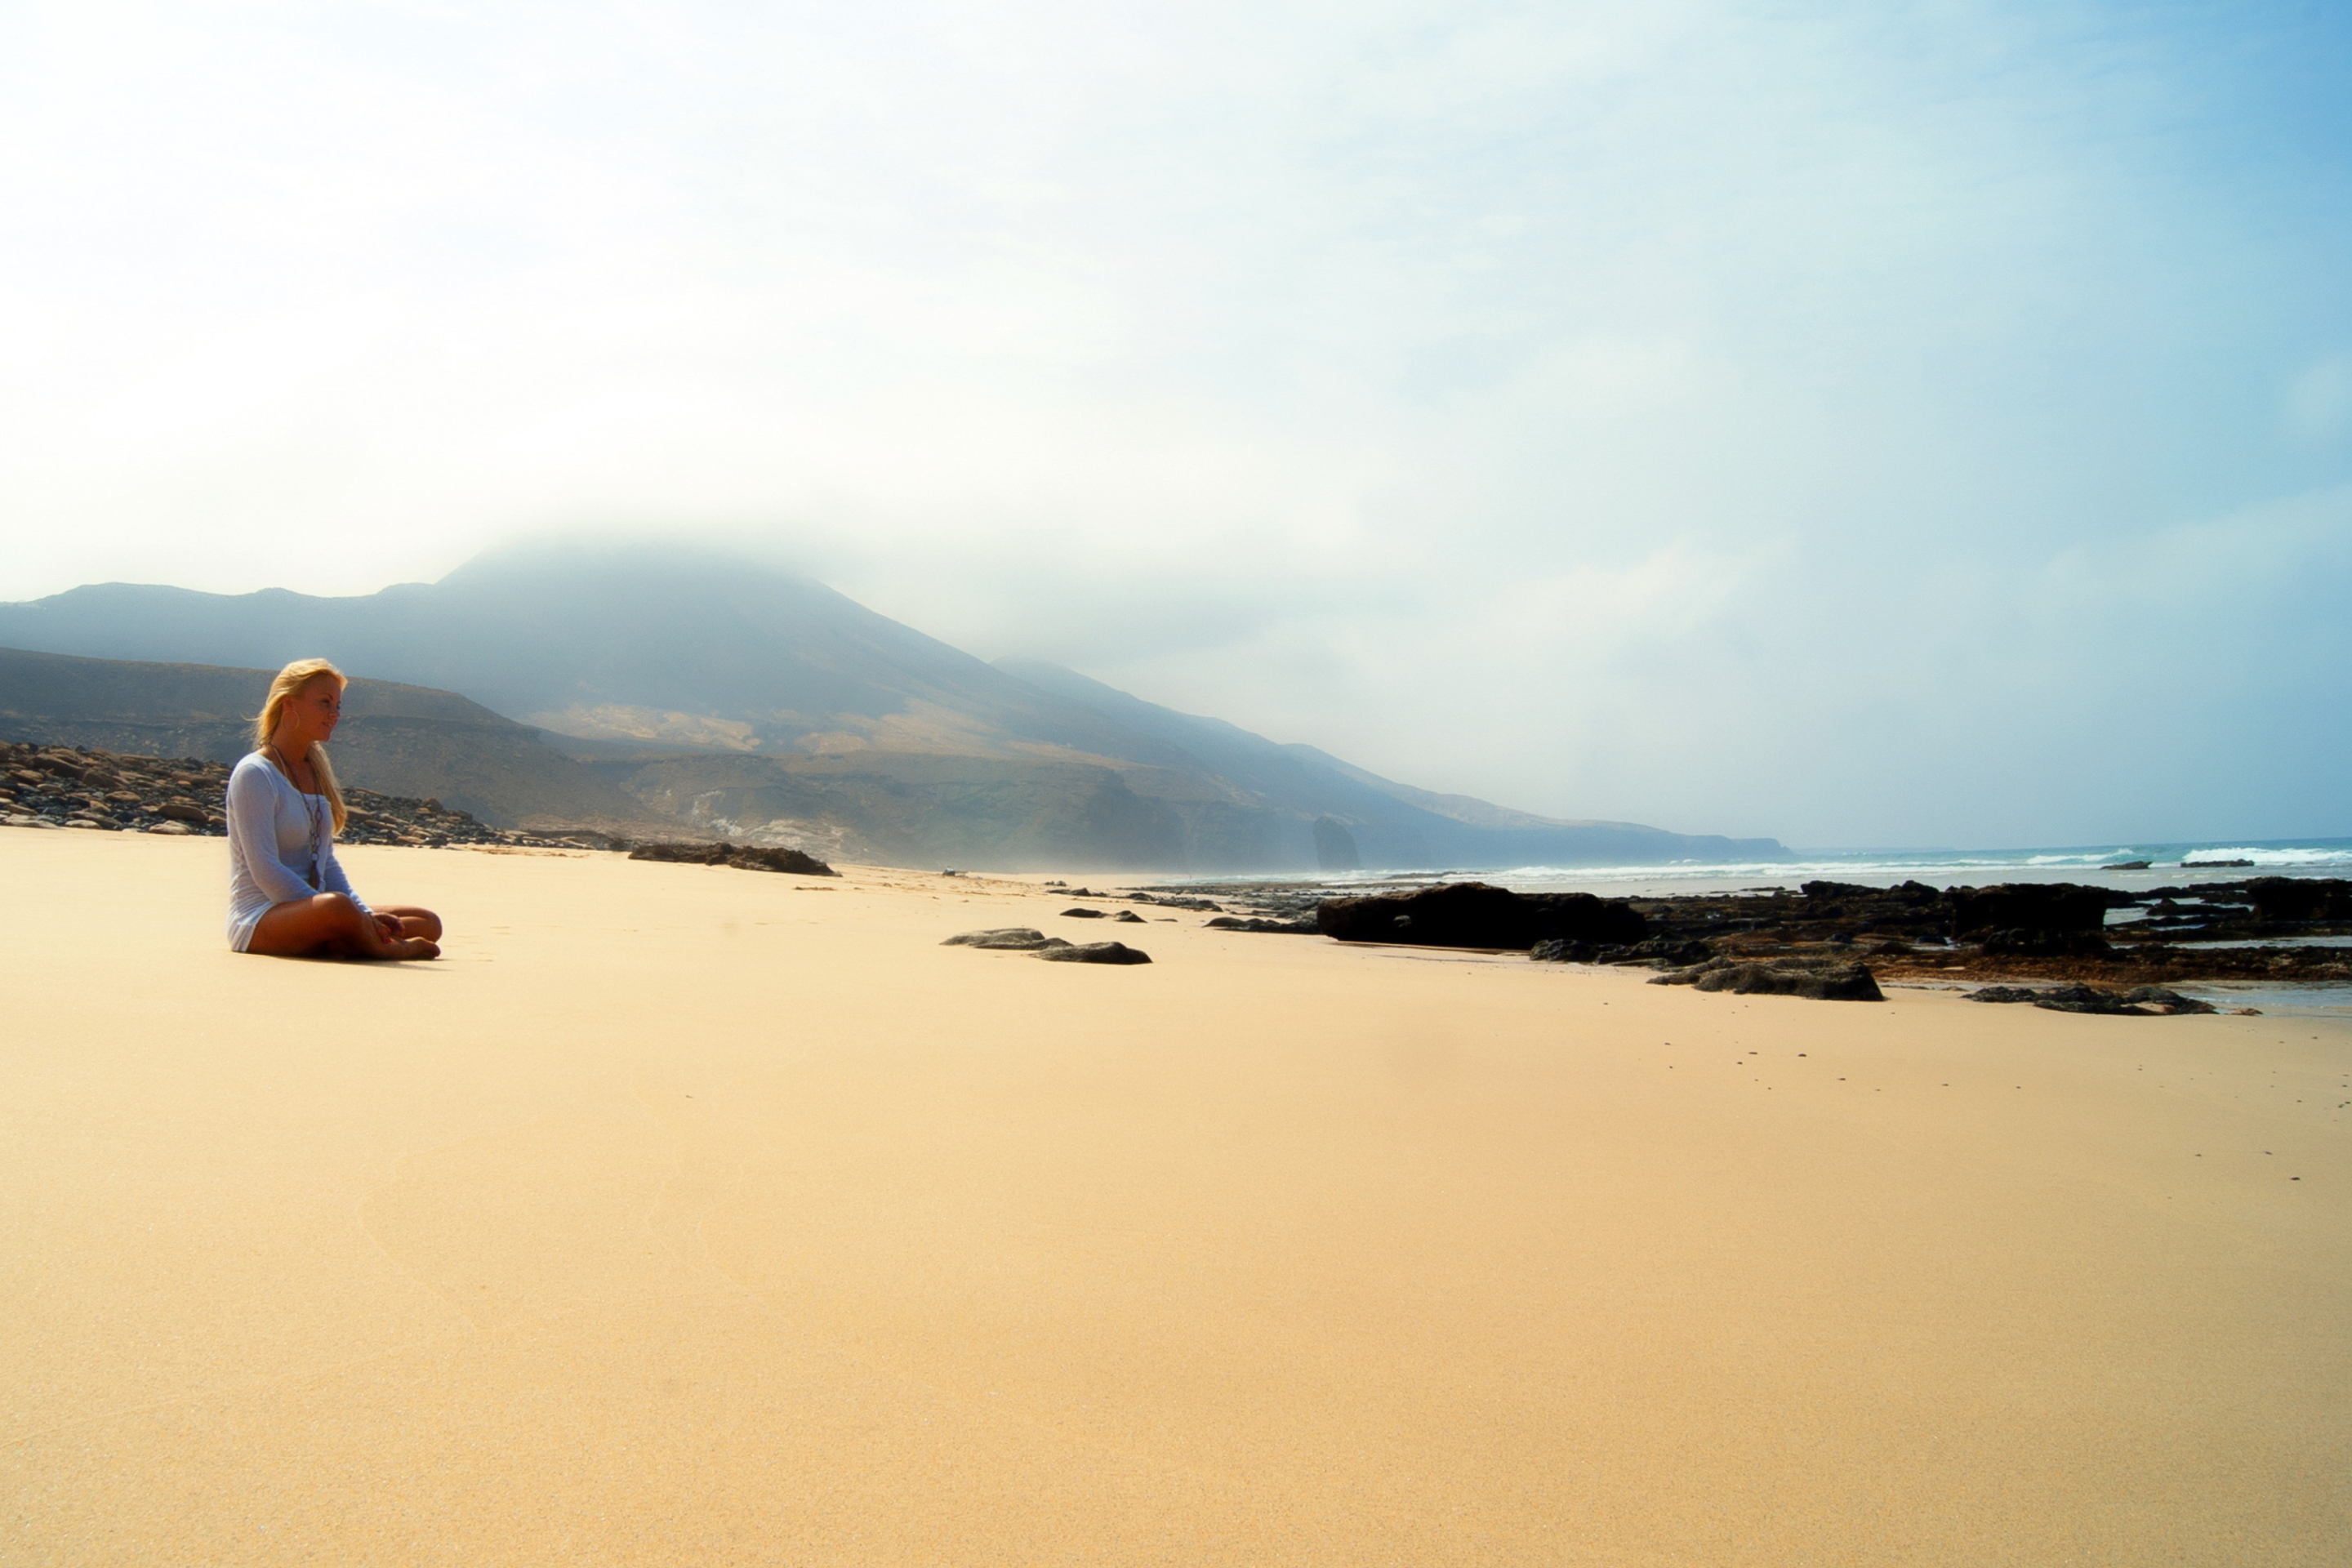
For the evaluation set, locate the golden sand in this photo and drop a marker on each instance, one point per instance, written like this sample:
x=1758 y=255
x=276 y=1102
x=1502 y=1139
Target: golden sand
x=690 y=1215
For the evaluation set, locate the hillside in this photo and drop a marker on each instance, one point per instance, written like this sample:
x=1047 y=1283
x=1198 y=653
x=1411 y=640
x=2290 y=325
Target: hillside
x=620 y=642
x=736 y=699
x=1389 y=823
x=393 y=739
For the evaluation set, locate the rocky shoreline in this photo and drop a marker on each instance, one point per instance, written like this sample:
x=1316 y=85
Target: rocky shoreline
x=115 y=792
x=2046 y=932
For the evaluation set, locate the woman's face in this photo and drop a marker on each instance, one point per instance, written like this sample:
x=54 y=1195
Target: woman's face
x=309 y=715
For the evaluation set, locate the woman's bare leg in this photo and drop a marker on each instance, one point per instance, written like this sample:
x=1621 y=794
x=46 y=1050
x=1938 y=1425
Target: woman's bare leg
x=329 y=924
x=422 y=924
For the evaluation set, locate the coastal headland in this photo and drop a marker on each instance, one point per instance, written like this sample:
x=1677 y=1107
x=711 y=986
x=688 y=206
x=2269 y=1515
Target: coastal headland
x=691 y=1215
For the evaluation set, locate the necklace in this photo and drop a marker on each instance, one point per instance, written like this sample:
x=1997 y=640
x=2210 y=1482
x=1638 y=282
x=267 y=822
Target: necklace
x=316 y=875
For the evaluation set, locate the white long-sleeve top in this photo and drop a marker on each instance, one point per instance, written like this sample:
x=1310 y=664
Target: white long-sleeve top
x=272 y=828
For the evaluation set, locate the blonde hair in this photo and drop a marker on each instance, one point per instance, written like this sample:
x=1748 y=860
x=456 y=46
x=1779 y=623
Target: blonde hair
x=291 y=679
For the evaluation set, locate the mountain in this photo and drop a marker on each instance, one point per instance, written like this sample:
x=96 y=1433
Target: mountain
x=743 y=701
x=1389 y=823
x=622 y=642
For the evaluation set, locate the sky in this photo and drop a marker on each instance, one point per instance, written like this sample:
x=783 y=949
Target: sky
x=1869 y=424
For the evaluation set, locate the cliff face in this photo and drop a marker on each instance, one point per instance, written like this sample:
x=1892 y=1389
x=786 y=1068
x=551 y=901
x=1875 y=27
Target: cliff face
x=604 y=684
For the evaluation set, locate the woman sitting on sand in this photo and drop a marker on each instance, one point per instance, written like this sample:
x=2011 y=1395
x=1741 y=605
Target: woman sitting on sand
x=288 y=895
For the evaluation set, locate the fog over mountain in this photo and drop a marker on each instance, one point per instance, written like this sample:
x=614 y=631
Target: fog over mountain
x=742 y=699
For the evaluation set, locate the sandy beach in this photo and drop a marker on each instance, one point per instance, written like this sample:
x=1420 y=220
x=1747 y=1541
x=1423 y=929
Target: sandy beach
x=690 y=1215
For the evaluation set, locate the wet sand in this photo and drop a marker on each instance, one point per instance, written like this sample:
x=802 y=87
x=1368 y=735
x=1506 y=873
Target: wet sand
x=690 y=1215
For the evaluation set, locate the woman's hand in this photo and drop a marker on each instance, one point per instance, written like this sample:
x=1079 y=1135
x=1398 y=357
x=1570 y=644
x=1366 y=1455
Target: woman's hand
x=391 y=926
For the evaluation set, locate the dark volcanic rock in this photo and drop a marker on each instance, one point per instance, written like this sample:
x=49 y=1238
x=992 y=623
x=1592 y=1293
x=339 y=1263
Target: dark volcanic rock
x=1582 y=917
x=2166 y=1001
x=1661 y=951
x=1472 y=914
x=1095 y=952
x=1288 y=928
x=2279 y=899
x=1083 y=914
x=1014 y=939
x=752 y=857
x=682 y=854
x=2041 y=943
x=1821 y=982
x=2139 y=1002
x=746 y=858
x=1903 y=932
x=2029 y=906
x=2083 y=999
x=1129 y=916
x=1912 y=893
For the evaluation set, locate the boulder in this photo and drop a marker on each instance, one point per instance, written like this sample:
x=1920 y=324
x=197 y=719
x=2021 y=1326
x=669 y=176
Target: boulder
x=1083 y=914
x=2041 y=943
x=1176 y=901
x=1256 y=923
x=2029 y=906
x=2084 y=999
x=771 y=859
x=1129 y=916
x=2139 y=1002
x=1849 y=982
x=745 y=857
x=1819 y=982
x=682 y=854
x=2300 y=899
x=1095 y=952
x=2166 y=1001
x=1473 y=914
x=1661 y=951
x=1015 y=938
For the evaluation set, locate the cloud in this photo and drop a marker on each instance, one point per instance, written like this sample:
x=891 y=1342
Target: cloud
x=1664 y=412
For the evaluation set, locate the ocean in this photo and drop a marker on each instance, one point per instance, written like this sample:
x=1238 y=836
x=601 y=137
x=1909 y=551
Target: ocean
x=1884 y=867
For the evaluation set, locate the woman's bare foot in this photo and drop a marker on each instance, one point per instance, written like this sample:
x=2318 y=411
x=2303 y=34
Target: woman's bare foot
x=329 y=924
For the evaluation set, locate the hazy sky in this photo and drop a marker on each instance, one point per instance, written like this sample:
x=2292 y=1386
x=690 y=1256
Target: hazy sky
x=1863 y=423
